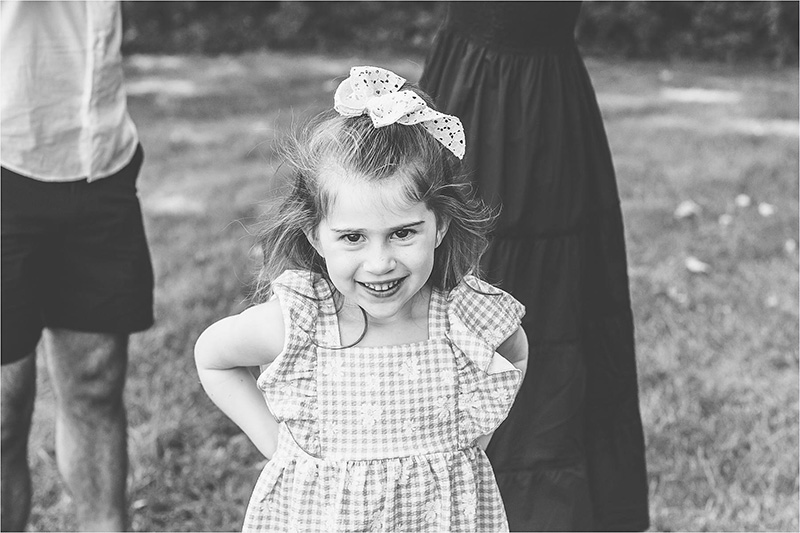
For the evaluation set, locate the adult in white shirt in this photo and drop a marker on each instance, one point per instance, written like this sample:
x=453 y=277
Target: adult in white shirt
x=76 y=271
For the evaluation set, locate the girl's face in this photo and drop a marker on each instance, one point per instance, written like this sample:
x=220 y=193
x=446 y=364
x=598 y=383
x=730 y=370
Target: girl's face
x=377 y=244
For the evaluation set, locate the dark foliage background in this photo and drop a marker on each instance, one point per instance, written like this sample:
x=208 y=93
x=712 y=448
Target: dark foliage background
x=721 y=31
x=231 y=27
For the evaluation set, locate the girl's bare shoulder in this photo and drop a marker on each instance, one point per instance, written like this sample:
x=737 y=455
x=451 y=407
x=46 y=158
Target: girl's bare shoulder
x=263 y=326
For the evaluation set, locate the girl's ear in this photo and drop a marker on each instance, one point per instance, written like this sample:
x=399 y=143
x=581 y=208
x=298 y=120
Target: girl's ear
x=441 y=230
x=311 y=236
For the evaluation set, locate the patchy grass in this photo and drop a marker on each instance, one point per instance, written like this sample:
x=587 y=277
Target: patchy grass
x=718 y=351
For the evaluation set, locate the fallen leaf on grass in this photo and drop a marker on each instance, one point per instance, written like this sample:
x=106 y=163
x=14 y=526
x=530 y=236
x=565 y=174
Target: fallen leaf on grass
x=765 y=209
x=686 y=209
x=677 y=295
x=695 y=266
x=725 y=219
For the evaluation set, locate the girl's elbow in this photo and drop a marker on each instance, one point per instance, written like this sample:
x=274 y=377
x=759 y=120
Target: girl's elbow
x=204 y=350
x=525 y=352
x=515 y=348
x=522 y=345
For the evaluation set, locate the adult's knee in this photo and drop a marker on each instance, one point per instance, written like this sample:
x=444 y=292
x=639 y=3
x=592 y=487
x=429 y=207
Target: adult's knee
x=93 y=388
x=87 y=370
x=15 y=430
x=16 y=405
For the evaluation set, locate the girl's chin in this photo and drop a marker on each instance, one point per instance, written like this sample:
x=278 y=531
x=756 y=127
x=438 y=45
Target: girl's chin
x=382 y=310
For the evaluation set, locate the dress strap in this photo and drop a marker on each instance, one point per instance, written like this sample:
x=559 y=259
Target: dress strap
x=437 y=315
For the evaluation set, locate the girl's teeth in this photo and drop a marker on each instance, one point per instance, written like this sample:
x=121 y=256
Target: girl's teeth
x=381 y=286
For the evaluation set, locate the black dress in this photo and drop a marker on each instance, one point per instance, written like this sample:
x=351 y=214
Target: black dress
x=570 y=456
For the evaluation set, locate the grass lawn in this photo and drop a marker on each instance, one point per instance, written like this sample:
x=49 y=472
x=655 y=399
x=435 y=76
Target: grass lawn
x=715 y=293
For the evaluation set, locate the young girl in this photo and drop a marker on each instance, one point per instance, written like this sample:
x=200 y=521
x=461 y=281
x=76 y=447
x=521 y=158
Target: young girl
x=387 y=361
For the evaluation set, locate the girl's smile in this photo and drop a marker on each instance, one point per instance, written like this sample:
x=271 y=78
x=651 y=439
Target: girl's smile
x=378 y=246
x=383 y=290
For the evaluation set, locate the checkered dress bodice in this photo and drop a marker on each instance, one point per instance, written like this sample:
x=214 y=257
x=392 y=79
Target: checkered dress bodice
x=383 y=438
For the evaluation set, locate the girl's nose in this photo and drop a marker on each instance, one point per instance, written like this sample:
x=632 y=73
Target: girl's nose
x=380 y=261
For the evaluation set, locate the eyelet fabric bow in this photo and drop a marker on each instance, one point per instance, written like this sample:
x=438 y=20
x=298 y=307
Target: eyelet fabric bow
x=376 y=92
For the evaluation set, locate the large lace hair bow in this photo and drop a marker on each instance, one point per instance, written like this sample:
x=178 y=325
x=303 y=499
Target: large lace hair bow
x=376 y=92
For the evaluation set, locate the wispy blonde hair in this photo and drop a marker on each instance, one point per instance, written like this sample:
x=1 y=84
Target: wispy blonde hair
x=432 y=175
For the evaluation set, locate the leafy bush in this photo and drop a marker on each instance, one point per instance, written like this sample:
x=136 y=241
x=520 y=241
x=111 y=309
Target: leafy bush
x=231 y=27
x=726 y=31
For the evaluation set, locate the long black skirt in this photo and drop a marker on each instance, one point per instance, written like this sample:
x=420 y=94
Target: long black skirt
x=570 y=456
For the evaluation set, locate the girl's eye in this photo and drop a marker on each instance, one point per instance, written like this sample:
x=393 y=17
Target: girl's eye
x=404 y=233
x=352 y=237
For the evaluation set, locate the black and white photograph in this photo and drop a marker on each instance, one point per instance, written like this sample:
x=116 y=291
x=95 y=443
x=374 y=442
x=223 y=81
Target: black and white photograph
x=400 y=266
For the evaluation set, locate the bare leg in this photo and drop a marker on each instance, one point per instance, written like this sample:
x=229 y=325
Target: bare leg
x=88 y=375
x=18 y=394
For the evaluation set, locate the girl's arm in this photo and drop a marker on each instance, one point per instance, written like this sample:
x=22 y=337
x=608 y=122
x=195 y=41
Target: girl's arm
x=515 y=349
x=224 y=352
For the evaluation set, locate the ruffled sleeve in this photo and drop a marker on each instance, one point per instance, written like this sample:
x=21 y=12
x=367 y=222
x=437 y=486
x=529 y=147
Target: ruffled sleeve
x=479 y=318
x=289 y=383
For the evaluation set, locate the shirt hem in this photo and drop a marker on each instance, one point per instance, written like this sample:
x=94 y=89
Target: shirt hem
x=66 y=179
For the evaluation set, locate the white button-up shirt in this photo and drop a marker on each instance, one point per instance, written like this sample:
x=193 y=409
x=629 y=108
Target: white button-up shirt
x=63 y=111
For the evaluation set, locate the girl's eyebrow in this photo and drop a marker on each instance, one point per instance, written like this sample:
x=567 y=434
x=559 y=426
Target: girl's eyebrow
x=391 y=230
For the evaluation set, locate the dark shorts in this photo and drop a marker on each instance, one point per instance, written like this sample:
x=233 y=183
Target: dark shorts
x=74 y=256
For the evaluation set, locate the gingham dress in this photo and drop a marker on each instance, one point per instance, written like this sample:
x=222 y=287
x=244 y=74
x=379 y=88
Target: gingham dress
x=384 y=438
